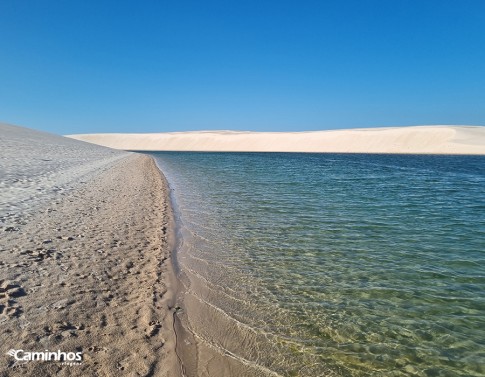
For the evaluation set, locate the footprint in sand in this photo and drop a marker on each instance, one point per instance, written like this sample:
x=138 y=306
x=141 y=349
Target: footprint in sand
x=63 y=330
x=154 y=328
x=39 y=254
x=9 y=291
x=97 y=349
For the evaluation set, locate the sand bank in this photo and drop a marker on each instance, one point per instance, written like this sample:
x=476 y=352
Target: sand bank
x=85 y=263
x=414 y=140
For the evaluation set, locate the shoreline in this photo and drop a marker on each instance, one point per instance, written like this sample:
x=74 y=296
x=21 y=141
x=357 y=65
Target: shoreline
x=87 y=235
x=185 y=344
x=197 y=356
x=180 y=332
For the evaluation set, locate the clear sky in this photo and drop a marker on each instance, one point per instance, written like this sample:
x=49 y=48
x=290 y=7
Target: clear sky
x=148 y=66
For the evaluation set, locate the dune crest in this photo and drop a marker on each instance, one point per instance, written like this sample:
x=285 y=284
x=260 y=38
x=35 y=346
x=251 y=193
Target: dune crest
x=414 y=140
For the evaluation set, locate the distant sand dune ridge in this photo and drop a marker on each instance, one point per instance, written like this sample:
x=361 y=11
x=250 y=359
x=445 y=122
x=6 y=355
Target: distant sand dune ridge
x=407 y=140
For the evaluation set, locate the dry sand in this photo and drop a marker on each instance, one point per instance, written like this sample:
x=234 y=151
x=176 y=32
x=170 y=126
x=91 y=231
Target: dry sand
x=414 y=140
x=85 y=258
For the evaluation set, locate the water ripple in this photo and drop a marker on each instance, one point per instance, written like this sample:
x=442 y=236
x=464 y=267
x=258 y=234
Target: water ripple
x=346 y=265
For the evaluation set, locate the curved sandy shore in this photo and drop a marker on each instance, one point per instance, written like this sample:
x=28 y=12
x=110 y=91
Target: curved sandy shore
x=85 y=263
x=407 y=140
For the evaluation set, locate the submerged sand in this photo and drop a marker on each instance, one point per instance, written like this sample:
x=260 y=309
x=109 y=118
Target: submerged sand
x=85 y=263
x=406 y=140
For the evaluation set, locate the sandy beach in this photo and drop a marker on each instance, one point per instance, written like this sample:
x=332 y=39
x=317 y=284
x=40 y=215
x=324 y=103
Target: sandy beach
x=87 y=235
x=85 y=267
x=399 y=140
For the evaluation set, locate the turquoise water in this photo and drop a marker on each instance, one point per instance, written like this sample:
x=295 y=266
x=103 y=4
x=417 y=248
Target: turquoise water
x=328 y=264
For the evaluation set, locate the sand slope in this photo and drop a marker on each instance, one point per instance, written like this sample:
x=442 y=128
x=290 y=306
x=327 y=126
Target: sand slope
x=419 y=139
x=85 y=258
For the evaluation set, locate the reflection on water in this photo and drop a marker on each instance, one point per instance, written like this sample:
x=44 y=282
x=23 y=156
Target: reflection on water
x=327 y=264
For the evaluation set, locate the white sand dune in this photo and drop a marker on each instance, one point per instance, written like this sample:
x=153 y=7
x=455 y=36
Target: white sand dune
x=417 y=139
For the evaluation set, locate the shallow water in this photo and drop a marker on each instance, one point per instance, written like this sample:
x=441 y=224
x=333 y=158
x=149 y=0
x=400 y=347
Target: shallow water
x=328 y=264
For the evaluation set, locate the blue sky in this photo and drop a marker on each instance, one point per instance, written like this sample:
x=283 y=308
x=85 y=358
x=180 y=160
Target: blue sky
x=152 y=66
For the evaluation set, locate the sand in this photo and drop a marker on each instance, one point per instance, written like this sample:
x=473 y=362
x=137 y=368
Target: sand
x=86 y=234
x=406 y=140
x=85 y=240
